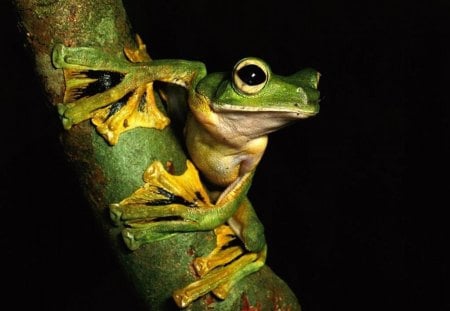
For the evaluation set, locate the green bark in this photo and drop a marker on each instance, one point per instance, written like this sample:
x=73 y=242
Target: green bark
x=108 y=174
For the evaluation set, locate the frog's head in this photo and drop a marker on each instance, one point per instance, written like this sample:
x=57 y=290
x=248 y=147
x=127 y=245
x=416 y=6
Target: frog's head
x=254 y=100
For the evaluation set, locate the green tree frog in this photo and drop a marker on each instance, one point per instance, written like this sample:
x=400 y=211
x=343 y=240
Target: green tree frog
x=229 y=117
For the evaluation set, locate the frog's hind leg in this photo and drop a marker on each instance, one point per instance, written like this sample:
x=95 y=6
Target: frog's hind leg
x=221 y=279
x=224 y=252
x=250 y=267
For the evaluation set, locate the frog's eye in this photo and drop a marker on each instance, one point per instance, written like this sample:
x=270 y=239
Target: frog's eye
x=250 y=75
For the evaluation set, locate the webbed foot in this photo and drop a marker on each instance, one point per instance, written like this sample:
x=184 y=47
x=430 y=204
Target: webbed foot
x=223 y=253
x=221 y=280
x=164 y=205
x=108 y=89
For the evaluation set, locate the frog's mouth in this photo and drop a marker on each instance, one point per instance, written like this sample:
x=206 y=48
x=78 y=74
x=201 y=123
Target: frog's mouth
x=294 y=111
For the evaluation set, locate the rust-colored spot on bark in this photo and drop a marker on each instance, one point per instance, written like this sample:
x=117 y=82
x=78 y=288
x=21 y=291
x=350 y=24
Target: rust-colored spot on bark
x=245 y=304
x=73 y=14
x=209 y=299
x=191 y=251
x=170 y=167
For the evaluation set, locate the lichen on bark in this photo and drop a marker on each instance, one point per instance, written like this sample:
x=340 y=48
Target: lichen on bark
x=107 y=174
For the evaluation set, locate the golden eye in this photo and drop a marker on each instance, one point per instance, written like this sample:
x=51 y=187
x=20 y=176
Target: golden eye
x=250 y=75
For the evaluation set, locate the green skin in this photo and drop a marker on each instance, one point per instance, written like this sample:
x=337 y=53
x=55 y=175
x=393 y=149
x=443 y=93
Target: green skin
x=230 y=116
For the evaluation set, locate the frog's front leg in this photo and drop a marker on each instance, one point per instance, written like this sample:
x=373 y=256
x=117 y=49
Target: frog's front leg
x=168 y=204
x=147 y=222
x=116 y=92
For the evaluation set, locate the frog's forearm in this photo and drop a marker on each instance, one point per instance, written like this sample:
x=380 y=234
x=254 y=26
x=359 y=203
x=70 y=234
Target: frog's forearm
x=80 y=62
x=159 y=70
x=191 y=218
x=140 y=232
x=84 y=58
x=182 y=72
x=125 y=213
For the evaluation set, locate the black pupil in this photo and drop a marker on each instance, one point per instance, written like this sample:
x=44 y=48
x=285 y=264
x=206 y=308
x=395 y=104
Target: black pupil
x=252 y=75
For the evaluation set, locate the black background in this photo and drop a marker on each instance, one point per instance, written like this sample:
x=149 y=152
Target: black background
x=350 y=199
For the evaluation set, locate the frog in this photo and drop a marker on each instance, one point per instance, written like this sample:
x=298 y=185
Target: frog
x=226 y=133
x=230 y=115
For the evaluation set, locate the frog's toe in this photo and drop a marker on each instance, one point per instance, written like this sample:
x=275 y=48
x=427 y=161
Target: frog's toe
x=58 y=55
x=222 y=291
x=201 y=266
x=66 y=121
x=181 y=299
x=135 y=238
x=115 y=213
x=130 y=240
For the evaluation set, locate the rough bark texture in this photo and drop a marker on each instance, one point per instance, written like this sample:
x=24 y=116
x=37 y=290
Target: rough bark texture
x=109 y=174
